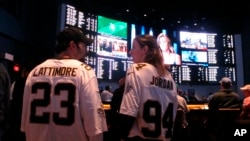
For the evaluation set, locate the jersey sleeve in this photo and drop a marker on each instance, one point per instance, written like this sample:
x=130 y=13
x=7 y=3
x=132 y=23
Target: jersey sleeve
x=91 y=108
x=130 y=101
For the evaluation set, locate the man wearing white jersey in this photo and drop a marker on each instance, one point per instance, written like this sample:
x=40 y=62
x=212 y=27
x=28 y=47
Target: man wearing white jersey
x=61 y=98
x=149 y=103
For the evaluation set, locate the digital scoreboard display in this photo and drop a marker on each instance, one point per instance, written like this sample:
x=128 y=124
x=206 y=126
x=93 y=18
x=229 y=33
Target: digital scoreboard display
x=108 y=54
x=214 y=60
x=205 y=57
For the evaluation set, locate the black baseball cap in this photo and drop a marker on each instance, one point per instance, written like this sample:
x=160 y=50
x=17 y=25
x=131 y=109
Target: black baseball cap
x=75 y=34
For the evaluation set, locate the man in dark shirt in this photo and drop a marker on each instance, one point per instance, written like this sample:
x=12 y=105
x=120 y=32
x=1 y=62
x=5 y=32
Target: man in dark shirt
x=117 y=96
x=225 y=97
x=115 y=108
x=224 y=107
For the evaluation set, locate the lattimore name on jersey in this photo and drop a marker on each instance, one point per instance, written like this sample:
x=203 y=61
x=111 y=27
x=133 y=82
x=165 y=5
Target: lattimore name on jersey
x=163 y=83
x=55 y=71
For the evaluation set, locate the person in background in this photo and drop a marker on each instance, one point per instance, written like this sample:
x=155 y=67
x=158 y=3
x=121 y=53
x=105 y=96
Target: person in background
x=217 y=125
x=245 y=114
x=106 y=94
x=181 y=123
x=185 y=96
x=5 y=84
x=182 y=105
x=115 y=107
x=148 y=108
x=225 y=97
x=117 y=96
x=61 y=96
x=192 y=98
x=16 y=102
x=169 y=54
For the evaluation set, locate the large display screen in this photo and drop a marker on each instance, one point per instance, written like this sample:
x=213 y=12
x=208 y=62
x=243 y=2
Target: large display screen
x=112 y=37
x=206 y=58
x=195 y=58
x=193 y=40
x=108 y=54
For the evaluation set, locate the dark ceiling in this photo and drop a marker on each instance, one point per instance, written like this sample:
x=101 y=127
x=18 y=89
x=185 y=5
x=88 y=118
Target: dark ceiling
x=224 y=14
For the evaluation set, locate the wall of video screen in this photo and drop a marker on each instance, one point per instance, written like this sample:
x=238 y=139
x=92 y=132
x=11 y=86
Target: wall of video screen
x=194 y=58
x=108 y=55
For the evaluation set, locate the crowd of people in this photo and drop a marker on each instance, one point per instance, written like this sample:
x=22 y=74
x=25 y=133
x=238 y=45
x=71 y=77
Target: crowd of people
x=59 y=99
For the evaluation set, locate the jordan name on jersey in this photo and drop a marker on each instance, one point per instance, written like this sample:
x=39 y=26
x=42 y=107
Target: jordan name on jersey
x=163 y=83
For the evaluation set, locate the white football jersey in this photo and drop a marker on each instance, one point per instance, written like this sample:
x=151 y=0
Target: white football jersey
x=61 y=102
x=152 y=100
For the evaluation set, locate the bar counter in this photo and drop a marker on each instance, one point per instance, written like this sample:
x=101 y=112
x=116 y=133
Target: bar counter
x=197 y=123
x=193 y=106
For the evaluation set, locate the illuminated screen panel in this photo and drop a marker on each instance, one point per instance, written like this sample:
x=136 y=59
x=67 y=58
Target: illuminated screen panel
x=216 y=73
x=73 y=16
x=170 y=49
x=194 y=74
x=176 y=73
x=206 y=57
x=111 y=47
x=192 y=40
x=191 y=57
x=112 y=27
x=108 y=54
x=112 y=38
x=80 y=19
x=111 y=68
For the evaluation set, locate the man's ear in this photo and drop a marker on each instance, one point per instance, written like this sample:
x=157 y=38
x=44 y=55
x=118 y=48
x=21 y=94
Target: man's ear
x=72 y=44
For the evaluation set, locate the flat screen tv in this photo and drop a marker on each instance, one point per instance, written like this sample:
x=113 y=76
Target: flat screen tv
x=193 y=40
x=194 y=57
x=204 y=57
x=111 y=37
x=112 y=27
